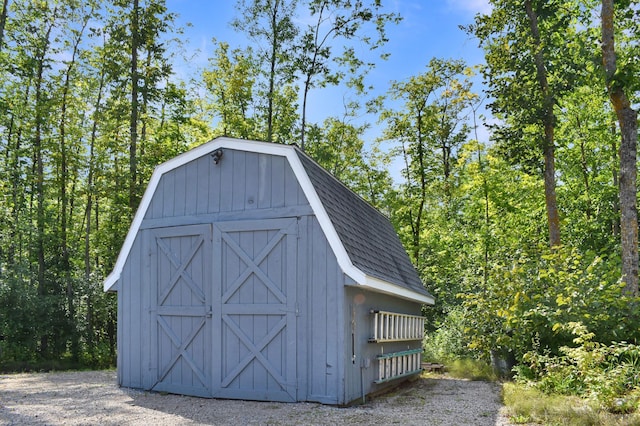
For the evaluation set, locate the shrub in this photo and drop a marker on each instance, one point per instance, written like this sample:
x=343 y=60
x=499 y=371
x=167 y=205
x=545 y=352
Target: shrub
x=448 y=342
x=526 y=303
x=606 y=375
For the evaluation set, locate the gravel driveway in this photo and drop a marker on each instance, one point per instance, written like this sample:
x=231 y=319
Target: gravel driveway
x=93 y=398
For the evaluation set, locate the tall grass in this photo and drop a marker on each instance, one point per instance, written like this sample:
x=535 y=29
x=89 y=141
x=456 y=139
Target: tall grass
x=526 y=404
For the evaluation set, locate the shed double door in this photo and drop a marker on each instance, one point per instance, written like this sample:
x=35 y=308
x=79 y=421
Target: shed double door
x=226 y=309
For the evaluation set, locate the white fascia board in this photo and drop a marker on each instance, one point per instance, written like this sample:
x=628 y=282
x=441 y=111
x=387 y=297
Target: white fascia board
x=388 y=288
x=192 y=154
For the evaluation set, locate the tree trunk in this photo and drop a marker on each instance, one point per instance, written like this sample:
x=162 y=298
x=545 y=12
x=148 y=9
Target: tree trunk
x=273 y=58
x=615 y=173
x=310 y=72
x=64 y=198
x=628 y=121
x=133 y=124
x=90 y=179
x=43 y=287
x=416 y=219
x=553 y=220
x=3 y=21
x=17 y=196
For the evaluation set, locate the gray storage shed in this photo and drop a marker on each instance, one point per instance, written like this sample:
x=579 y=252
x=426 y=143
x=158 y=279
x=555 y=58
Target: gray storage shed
x=250 y=272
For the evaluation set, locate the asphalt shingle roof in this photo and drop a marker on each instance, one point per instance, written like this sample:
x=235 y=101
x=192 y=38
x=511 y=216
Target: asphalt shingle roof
x=367 y=235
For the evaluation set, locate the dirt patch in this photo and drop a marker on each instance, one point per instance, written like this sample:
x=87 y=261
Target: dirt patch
x=93 y=397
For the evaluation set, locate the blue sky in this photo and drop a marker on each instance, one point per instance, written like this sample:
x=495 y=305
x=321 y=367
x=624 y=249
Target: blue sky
x=429 y=29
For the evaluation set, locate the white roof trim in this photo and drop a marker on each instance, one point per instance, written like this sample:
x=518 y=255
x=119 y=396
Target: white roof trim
x=381 y=286
x=314 y=200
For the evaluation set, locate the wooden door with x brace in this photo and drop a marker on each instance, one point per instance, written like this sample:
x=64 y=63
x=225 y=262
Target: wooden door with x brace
x=225 y=309
x=181 y=325
x=255 y=309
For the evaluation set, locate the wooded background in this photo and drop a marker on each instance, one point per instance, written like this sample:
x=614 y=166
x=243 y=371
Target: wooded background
x=519 y=237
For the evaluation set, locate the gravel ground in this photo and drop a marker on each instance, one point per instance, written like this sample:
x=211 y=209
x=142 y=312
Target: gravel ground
x=94 y=398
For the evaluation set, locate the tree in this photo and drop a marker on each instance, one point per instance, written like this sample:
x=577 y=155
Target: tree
x=337 y=20
x=429 y=126
x=587 y=158
x=529 y=69
x=617 y=81
x=338 y=147
x=42 y=109
x=67 y=151
x=139 y=26
x=230 y=82
x=548 y=123
x=65 y=138
x=269 y=24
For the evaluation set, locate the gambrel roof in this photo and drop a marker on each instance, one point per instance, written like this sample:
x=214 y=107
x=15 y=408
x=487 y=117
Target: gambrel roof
x=364 y=242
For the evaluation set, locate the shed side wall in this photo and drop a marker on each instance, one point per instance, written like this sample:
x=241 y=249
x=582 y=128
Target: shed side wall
x=361 y=373
x=321 y=316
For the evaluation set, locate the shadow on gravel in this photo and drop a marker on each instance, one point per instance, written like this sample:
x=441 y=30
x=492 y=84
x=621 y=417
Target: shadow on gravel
x=425 y=401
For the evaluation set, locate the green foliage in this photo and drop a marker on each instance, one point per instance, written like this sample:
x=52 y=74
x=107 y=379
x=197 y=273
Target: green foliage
x=69 y=170
x=447 y=342
x=230 y=84
x=320 y=63
x=607 y=375
x=19 y=322
x=526 y=405
x=472 y=369
x=425 y=121
x=526 y=304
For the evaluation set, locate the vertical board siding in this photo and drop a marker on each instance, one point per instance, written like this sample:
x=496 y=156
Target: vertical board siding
x=157 y=204
x=239 y=174
x=130 y=321
x=265 y=179
x=201 y=183
x=242 y=181
x=213 y=189
x=304 y=328
x=252 y=181
x=191 y=186
x=366 y=368
x=145 y=311
x=324 y=307
x=180 y=191
x=168 y=194
x=279 y=165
